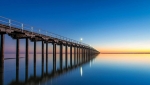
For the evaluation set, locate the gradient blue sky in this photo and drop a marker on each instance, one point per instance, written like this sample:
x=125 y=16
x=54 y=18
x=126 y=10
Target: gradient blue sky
x=107 y=25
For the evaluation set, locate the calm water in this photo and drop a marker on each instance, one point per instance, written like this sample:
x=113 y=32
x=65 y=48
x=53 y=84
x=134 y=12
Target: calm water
x=104 y=69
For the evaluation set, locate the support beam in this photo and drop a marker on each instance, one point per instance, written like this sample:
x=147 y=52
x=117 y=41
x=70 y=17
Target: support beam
x=54 y=57
x=1 y=59
x=75 y=56
x=86 y=54
x=66 y=54
x=26 y=59
x=71 y=55
x=1 y=52
x=46 y=50
x=17 y=60
x=88 y=51
x=46 y=57
x=34 y=58
x=17 y=53
x=42 y=49
x=82 y=54
x=27 y=51
x=82 y=49
x=89 y=54
x=61 y=53
x=79 y=55
x=42 y=58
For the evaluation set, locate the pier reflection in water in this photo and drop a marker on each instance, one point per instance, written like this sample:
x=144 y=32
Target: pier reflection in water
x=40 y=70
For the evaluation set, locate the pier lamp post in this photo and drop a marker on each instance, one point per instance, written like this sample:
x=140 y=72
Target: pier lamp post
x=81 y=40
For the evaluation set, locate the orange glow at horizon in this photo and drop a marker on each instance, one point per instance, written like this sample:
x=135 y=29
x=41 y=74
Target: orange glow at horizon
x=123 y=50
x=125 y=46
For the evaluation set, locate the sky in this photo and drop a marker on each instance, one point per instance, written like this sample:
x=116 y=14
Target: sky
x=110 y=26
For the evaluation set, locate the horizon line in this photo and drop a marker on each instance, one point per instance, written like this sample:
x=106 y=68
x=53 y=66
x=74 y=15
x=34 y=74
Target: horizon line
x=128 y=53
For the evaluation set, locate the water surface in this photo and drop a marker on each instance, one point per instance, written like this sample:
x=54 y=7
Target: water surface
x=104 y=69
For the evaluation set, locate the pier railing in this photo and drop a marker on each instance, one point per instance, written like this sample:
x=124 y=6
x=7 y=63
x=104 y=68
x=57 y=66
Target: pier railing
x=23 y=27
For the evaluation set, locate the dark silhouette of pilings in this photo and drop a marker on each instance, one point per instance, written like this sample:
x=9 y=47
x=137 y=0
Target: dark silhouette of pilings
x=66 y=55
x=61 y=53
x=17 y=53
x=34 y=58
x=46 y=57
x=71 y=55
x=26 y=59
x=75 y=55
x=79 y=54
x=82 y=54
x=34 y=51
x=46 y=50
x=17 y=59
x=86 y=55
x=42 y=50
x=54 y=57
x=42 y=58
x=1 y=52
x=27 y=51
x=1 y=58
